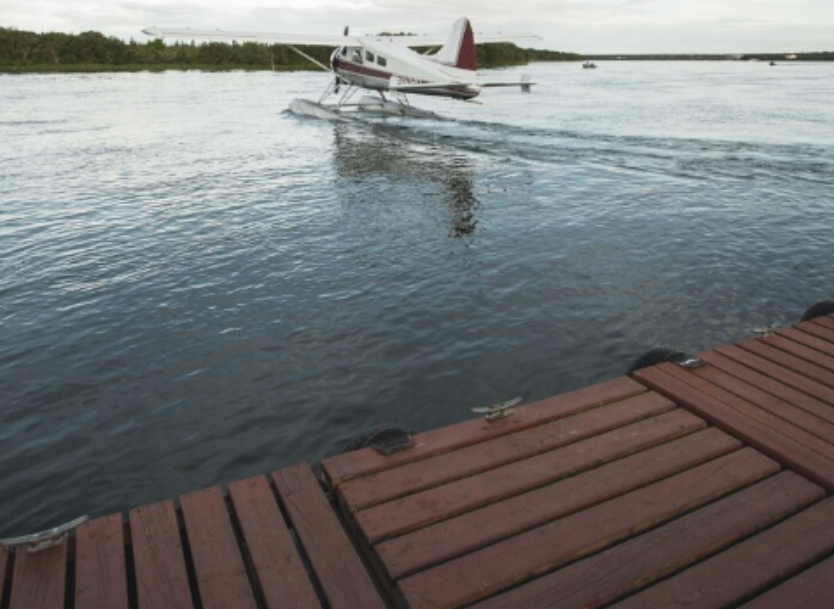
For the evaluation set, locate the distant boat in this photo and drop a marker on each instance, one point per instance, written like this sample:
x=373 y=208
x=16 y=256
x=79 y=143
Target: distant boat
x=773 y=63
x=589 y=65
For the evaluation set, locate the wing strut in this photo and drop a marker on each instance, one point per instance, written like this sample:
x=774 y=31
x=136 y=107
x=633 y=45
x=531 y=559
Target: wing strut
x=306 y=56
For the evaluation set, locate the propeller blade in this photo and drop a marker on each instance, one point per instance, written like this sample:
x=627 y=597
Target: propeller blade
x=347 y=30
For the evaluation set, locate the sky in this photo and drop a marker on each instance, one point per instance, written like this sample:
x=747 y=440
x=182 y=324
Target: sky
x=582 y=26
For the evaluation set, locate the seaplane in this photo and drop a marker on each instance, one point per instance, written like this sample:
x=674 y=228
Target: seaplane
x=391 y=65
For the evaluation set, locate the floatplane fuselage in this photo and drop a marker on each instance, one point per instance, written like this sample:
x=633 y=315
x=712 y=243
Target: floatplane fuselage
x=385 y=64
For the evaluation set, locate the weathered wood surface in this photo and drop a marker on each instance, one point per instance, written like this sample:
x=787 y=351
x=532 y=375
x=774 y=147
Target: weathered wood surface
x=159 y=561
x=218 y=565
x=776 y=393
x=4 y=564
x=466 y=533
x=811 y=589
x=633 y=500
x=681 y=487
x=384 y=486
x=443 y=502
x=749 y=568
x=343 y=578
x=100 y=567
x=39 y=580
x=645 y=559
x=506 y=564
x=278 y=566
x=364 y=462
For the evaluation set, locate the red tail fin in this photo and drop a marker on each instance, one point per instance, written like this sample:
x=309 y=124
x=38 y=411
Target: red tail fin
x=459 y=50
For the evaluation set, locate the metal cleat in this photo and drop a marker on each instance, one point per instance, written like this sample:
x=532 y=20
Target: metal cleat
x=497 y=411
x=690 y=362
x=43 y=540
x=765 y=331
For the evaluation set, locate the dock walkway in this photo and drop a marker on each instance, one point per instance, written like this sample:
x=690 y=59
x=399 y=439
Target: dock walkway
x=702 y=487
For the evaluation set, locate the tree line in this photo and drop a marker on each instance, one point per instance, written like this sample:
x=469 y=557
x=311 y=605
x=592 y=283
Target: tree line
x=90 y=51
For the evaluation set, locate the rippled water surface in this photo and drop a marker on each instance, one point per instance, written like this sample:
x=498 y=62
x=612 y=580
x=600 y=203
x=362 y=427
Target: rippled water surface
x=197 y=286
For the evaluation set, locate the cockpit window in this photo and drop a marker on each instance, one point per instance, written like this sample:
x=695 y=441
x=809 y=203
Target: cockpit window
x=381 y=60
x=369 y=56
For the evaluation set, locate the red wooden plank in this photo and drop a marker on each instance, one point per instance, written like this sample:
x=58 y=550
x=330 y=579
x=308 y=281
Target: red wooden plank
x=443 y=502
x=360 y=463
x=813 y=589
x=779 y=373
x=221 y=575
x=817 y=331
x=732 y=390
x=393 y=483
x=4 y=563
x=818 y=342
x=801 y=400
x=278 y=566
x=343 y=579
x=797 y=364
x=511 y=562
x=39 y=580
x=161 y=578
x=785 y=341
x=610 y=575
x=826 y=322
x=743 y=423
x=748 y=568
x=447 y=540
x=100 y=572
x=784 y=426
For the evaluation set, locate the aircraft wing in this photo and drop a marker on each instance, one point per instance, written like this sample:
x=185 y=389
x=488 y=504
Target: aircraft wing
x=317 y=40
x=266 y=37
x=437 y=41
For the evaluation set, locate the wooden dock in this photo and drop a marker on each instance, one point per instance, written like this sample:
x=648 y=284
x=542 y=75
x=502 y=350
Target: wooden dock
x=698 y=487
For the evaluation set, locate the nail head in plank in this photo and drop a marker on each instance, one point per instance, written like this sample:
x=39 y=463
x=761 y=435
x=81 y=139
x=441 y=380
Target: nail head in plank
x=509 y=563
x=100 y=570
x=466 y=533
x=39 y=580
x=343 y=578
x=748 y=568
x=434 y=471
x=221 y=575
x=345 y=467
x=278 y=566
x=617 y=572
x=161 y=578
x=811 y=589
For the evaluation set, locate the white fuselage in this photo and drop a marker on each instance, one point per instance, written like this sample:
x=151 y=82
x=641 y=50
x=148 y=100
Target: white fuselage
x=383 y=66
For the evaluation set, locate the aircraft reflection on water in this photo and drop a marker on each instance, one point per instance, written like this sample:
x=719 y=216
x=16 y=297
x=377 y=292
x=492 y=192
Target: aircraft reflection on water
x=363 y=154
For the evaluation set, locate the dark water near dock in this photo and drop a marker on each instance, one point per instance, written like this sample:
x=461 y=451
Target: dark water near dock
x=196 y=286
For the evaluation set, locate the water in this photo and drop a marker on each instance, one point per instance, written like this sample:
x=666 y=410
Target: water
x=196 y=286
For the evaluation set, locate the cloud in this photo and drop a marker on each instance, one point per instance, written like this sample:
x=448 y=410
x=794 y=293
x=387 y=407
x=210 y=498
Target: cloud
x=586 y=26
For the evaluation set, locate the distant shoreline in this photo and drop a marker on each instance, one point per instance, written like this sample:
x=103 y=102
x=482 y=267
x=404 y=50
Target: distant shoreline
x=783 y=57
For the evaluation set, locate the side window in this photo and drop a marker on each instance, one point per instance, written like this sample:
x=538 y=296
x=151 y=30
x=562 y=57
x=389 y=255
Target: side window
x=369 y=56
x=356 y=56
x=381 y=60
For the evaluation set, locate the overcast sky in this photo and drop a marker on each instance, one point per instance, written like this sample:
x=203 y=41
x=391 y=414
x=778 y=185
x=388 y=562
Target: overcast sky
x=583 y=26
